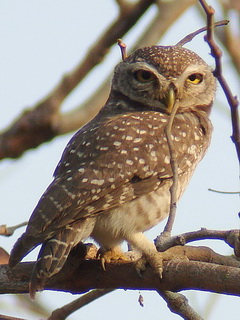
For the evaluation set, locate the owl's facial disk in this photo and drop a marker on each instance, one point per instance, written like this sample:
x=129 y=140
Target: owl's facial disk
x=143 y=83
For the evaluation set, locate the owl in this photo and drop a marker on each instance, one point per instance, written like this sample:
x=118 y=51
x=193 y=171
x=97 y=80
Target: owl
x=113 y=180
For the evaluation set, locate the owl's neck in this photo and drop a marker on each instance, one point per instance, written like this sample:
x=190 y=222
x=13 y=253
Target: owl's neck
x=119 y=103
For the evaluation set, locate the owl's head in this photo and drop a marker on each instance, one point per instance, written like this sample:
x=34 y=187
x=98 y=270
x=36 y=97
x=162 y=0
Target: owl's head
x=159 y=76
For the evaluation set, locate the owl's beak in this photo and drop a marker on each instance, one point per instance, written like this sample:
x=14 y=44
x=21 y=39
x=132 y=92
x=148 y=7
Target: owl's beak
x=170 y=98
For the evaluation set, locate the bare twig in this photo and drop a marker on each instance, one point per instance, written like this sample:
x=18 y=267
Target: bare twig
x=178 y=304
x=63 y=312
x=203 y=254
x=231 y=237
x=35 y=307
x=9 y=231
x=192 y=35
x=228 y=36
x=217 y=54
x=3 y=317
x=224 y=192
x=123 y=48
x=174 y=165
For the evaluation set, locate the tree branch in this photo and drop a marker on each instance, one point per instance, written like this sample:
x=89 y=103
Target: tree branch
x=9 y=231
x=178 y=304
x=40 y=124
x=231 y=237
x=217 y=55
x=3 y=317
x=45 y=121
x=63 y=312
x=79 y=275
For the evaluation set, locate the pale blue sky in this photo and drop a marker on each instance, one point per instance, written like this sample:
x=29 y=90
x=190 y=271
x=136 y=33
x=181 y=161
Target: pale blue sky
x=42 y=40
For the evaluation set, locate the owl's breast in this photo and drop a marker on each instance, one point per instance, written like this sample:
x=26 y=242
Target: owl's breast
x=143 y=213
x=139 y=215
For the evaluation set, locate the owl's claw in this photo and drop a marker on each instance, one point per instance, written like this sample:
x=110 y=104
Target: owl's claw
x=115 y=254
x=155 y=260
x=140 y=265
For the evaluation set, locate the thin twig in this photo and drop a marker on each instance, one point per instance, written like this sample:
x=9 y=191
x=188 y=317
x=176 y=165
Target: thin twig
x=37 y=308
x=217 y=55
x=224 y=192
x=231 y=237
x=174 y=165
x=228 y=36
x=192 y=35
x=178 y=304
x=123 y=48
x=63 y=312
x=9 y=231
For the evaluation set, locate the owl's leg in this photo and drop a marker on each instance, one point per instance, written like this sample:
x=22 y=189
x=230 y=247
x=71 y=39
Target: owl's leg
x=113 y=254
x=150 y=254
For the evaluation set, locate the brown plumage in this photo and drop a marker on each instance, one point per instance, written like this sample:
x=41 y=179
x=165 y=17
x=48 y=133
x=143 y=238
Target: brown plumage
x=112 y=182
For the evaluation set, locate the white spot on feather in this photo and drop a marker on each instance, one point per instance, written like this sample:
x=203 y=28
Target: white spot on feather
x=99 y=182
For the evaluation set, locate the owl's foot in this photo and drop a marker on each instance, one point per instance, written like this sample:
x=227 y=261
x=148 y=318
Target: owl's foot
x=114 y=254
x=155 y=260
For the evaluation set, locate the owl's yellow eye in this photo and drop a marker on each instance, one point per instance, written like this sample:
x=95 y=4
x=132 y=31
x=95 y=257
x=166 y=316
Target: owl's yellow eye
x=143 y=76
x=195 y=78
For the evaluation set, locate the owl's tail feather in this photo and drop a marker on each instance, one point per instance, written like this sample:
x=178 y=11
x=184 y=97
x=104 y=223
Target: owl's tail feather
x=24 y=245
x=54 y=253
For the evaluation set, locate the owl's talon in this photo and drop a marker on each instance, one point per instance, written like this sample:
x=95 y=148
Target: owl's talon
x=109 y=256
x=140 y=266
x=155 y=260
x=103 y=263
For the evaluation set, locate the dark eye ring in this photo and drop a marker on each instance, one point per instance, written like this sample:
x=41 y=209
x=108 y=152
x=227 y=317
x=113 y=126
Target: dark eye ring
x=195 y=78
x=143 y=76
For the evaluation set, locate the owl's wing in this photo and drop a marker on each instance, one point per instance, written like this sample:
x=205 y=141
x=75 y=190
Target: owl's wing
x=105 y=165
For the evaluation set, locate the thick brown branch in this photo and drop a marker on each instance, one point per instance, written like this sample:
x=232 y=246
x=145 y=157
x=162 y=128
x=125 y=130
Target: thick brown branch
x=41 y=123
x=177 y=275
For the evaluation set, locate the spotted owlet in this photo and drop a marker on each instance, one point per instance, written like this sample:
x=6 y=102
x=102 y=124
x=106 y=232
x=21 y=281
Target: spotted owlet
x=112 y=182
